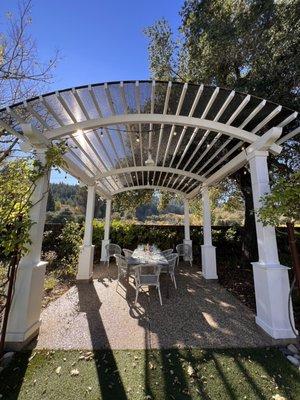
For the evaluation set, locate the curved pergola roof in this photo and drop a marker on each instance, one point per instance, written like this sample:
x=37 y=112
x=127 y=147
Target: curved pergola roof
x=152 y=134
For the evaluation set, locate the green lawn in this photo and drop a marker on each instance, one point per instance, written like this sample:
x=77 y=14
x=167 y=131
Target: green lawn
x=162 y=375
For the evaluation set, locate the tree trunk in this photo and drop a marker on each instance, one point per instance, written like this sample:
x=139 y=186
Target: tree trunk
x=249 y=242
x=294 y=251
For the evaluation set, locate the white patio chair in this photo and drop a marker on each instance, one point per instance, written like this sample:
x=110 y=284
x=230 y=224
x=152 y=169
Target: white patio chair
x=122 y=266
x=127 y=253
x=112 y=249
x=185 y=251
x=167 y=252
x=172 y=260
x=147 y=275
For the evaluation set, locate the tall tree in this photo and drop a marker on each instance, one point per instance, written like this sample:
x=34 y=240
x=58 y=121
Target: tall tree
x=243 y=45
x=22 y=73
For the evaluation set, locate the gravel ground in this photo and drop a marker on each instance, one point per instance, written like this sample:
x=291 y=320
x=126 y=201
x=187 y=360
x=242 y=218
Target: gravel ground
x=199 y=314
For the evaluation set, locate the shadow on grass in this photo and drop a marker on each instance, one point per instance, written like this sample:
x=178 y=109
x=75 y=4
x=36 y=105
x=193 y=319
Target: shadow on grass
x=109 y=379
x=11 y=379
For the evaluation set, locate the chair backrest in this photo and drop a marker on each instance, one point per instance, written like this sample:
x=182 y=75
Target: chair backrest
x=144 y=271
x=167 y=252
x=112 y=249
x=184 y=250
x=172 y=260
x=120 y=261
x=127 y=253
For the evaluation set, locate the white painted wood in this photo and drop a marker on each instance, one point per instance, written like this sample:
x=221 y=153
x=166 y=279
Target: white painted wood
x=86 y=256
x=165 y=110
x=289 y=136
x=24 y=317
x=270 y=278
x=187 y=235
x=106 y=239
x=167 y=119
x=66 y=108
x=150 y=168
x=150 y=186
x=208 y=251
x=229 y=122
x=264 y=142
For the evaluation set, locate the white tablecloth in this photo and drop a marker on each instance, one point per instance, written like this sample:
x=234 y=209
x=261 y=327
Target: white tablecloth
x=140 y=256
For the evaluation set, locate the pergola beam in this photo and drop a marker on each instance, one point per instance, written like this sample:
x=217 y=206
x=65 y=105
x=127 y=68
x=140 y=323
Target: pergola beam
x=165 y=119
x=264 y=143
x=151 y=187
x=150 y=168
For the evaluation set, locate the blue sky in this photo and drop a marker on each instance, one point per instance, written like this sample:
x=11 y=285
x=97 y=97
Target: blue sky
x=98 y=40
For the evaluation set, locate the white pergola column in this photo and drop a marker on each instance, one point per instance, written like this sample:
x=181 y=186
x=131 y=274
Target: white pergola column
x=187 y=235
x=86 y=256
x=24 y=316
x=271 y=279
x=208 y=251
x=106 y=239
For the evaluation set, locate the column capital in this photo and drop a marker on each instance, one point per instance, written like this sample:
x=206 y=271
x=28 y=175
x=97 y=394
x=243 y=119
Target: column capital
x=257 y=153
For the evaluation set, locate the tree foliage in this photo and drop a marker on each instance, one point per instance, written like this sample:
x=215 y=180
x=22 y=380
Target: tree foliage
x=18 y=181
x=282 y=204
x=22 y=73
x=129 y=201
x=248 y=45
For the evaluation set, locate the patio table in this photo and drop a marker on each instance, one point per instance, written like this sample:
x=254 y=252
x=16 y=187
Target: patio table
x=154 y=257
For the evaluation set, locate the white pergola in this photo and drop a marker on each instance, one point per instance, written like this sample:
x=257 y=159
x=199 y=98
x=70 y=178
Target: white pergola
x=183 y=138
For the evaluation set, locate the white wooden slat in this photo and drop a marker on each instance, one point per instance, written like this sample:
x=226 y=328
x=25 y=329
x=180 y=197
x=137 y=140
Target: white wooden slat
x=289 y=136
x=36 y=115
x=128 y=127
x=51 y=111
x=65 y=106
x=113 y=111
x=80 y=103
x=165 y=110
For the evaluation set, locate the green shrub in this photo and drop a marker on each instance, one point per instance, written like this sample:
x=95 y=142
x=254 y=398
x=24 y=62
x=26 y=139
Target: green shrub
x=50 y=283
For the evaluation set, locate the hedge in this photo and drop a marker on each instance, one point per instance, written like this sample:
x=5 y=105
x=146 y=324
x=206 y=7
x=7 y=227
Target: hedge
x=127 y=235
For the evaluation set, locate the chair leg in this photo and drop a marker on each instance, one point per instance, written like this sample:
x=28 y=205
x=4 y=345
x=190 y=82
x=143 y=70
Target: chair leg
x=174 y=280
x=159 y=294
x=136 y=295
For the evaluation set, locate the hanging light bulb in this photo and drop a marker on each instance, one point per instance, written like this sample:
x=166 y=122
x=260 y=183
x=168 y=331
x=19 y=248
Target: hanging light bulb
x=149 y=160
x=101 y=132
x=137 y=139
x=174 y=133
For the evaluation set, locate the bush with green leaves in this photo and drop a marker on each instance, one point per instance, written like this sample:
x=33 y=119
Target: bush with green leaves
x=283 y=203
x=61 y=249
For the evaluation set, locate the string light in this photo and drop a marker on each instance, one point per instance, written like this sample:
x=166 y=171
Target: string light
x=174 y=133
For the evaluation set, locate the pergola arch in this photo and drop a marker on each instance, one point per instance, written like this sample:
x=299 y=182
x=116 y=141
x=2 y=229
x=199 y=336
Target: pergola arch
x=168 y=170
x=166 y=119
x=150 y=187
x=174 y=136
x=196 y=129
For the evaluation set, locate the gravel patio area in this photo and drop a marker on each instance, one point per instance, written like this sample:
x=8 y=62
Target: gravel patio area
x=199 y=314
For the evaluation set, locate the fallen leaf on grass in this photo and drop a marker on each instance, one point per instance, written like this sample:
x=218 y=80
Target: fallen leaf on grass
x=30 y=358
x=191 y=371
x=74 y=372
x=278 y=397
x=58 y=369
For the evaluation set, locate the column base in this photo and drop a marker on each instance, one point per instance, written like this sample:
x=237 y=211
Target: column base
x=24 y=317
x=16 y=341
x=103 y=251
x=272 y=288
x=190 y=243
x=209 y=264
x=85 y=264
